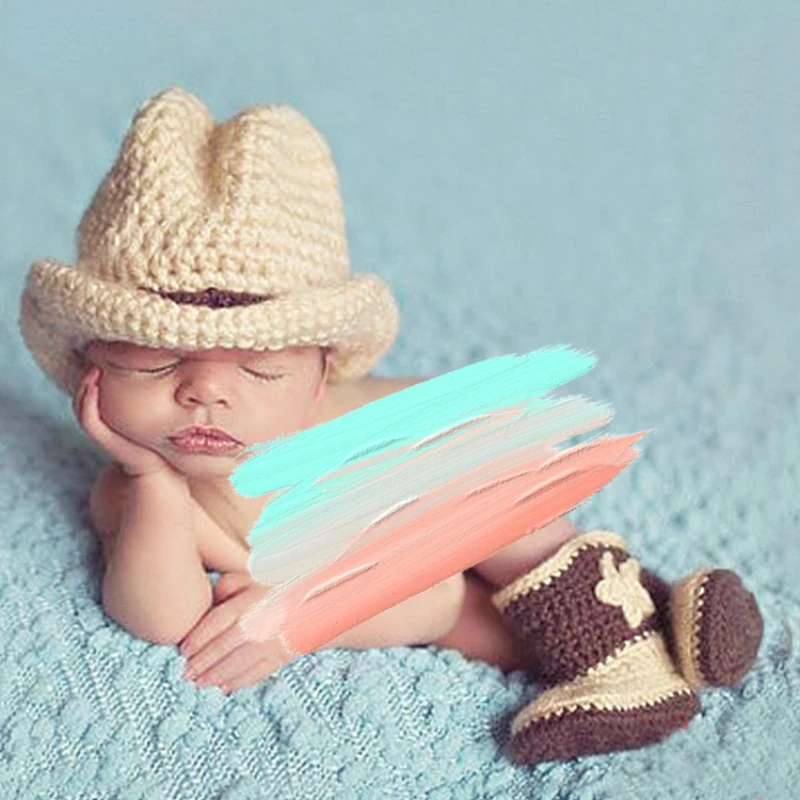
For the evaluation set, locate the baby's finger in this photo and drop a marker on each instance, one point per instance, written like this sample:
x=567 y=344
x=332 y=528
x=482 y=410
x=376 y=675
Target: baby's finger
x=90 y=415
x=78 y=397
x=264 y=667
x=229 y=584
x=232 y=666
x=215 y=651
x=214 y=623
x=86 y=380
x=96 y=426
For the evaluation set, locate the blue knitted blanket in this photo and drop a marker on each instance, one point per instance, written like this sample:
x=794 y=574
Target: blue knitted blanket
x=624 y=182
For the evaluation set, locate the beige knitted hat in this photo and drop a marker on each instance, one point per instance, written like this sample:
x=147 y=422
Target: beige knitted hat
x=210 y=235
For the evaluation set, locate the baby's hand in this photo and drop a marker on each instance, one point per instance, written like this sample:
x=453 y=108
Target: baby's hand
x=134 y=459
x=218 y=652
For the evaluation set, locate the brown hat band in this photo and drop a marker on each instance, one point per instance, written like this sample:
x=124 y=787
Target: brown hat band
x=212 y=297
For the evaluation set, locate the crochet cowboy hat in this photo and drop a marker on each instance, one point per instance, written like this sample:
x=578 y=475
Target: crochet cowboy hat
x=208 y=235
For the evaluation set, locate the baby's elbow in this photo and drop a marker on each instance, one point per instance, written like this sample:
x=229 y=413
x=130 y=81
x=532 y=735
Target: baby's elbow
x=163 y=629
x=148 y=630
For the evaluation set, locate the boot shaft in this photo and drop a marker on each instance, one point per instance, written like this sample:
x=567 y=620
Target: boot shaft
x=579 y=607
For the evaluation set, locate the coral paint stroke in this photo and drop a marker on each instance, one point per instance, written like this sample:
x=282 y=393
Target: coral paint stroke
x=382 y=503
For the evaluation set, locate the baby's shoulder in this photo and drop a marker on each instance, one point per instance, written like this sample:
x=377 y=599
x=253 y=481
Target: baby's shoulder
x=369 y=389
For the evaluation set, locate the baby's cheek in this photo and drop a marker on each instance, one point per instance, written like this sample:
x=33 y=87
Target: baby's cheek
x=132 y=411
x=112 y=404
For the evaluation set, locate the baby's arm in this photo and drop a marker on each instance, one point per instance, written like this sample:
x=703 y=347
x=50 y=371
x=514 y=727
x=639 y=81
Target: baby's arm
x=155 y=585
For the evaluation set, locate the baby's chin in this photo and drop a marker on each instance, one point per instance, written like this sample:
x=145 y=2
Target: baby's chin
x=194 y=465
x=210 y=465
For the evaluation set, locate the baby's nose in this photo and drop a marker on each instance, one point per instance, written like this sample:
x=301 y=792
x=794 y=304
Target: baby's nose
x=202 y=383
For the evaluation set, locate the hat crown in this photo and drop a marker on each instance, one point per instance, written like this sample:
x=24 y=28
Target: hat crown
x=251 y=204
x=206 y=235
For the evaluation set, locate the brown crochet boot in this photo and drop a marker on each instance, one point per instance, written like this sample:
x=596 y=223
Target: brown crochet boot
x=717 y=628
x=712 y=625
x=592 y=633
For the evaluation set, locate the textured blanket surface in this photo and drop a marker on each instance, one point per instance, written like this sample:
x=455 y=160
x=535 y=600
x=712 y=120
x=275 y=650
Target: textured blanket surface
x=619 y=177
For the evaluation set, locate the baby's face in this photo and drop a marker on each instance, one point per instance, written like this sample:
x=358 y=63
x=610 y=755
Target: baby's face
x=149 y=395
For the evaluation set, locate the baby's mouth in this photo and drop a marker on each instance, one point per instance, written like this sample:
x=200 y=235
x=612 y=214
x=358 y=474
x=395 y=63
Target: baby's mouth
x=205 y=444
x=196 y=439
x=204 y=431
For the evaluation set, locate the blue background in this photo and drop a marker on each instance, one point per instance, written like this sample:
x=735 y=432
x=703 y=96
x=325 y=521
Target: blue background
x=621 y=177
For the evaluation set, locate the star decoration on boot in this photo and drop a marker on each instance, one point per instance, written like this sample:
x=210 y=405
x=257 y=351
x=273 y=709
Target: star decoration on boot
x=620 y=586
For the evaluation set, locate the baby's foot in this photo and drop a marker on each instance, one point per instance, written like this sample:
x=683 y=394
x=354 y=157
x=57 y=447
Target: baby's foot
x=716 y=627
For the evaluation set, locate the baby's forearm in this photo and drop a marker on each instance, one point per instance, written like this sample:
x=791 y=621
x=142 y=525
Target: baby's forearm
x=155 y=585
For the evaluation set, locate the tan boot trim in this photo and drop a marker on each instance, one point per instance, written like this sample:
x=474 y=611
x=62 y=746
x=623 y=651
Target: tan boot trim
x=642 y=674
x=549 y=570
x=686 y=604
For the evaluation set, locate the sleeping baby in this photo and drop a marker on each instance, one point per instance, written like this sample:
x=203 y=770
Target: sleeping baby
x=212 y=308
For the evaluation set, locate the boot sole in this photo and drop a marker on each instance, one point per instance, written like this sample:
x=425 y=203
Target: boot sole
x=634 y=698
x=591 y=731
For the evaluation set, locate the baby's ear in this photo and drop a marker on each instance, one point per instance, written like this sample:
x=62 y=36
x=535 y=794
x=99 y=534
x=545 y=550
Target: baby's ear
x=327 y=363
x=79 y=355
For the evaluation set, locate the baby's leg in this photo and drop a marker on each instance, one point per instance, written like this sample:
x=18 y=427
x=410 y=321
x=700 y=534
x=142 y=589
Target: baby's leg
x=526 y=553
x=420 y=619
x=480 y=632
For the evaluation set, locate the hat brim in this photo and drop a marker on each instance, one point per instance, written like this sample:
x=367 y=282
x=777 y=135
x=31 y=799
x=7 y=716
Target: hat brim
x=63 y=307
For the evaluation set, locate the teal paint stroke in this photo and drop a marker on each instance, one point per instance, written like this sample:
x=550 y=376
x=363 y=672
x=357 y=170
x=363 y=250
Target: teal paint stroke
x=371 y=453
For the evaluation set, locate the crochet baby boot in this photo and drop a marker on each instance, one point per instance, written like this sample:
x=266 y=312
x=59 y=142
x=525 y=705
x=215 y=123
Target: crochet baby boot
x=716 y=628
x=592 y=634
x=711 y=623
